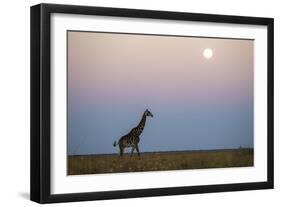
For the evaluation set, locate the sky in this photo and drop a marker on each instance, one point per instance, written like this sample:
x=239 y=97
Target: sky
x=198 y=103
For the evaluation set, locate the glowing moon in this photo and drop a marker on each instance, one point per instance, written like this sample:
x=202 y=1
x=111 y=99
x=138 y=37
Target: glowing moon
x=208 y=53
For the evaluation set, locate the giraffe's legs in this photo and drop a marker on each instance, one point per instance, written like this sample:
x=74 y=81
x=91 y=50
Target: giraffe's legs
x=132 y=151
x=137 y=148
x=121 y=151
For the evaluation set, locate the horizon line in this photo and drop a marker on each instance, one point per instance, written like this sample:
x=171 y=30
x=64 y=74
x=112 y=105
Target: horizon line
x=172 y=151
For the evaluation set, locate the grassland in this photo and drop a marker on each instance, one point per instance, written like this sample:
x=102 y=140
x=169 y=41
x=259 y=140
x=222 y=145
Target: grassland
x=155 y=161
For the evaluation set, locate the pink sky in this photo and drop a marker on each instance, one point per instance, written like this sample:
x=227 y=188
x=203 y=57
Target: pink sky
x=106 y=65
x=197 y=103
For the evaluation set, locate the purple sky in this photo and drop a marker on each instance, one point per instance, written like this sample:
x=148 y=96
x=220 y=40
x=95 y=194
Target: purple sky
x=197 y=103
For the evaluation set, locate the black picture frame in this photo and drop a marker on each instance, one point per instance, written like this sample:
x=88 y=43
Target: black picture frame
x=41 y=99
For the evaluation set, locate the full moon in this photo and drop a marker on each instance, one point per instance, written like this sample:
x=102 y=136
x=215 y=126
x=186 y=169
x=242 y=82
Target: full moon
x=208 y=53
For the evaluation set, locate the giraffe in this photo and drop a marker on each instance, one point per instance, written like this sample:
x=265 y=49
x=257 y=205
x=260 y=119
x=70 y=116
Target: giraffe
x=133 y=137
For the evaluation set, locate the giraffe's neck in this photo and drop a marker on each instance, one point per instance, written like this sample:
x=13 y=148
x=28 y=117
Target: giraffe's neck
x=142 y=123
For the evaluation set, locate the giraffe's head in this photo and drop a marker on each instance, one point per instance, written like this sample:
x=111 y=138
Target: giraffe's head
x=148 y=113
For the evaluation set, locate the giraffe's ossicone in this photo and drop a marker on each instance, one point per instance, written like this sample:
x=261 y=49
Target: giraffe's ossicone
x=133 y=137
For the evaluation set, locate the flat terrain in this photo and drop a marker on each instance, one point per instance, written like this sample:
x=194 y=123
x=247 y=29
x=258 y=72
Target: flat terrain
x=152 y=161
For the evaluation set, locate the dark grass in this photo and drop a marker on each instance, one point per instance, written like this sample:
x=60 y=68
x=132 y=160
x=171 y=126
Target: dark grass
x=159 y=161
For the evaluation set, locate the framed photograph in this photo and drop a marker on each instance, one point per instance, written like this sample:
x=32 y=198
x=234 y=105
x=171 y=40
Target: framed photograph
x=133 y=103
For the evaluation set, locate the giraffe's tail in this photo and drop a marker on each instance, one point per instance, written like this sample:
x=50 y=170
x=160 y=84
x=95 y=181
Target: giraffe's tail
x=114 y=144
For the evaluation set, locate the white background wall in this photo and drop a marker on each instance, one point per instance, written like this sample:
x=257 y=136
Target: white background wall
x=14 y=102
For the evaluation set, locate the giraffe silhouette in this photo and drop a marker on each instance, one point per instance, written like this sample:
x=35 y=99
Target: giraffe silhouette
x=133 y=137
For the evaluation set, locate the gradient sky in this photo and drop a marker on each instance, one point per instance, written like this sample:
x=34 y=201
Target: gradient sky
x=197 y=103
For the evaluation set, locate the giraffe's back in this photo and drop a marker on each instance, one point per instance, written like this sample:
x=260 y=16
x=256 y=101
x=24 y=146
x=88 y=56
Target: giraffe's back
x=129 y=140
